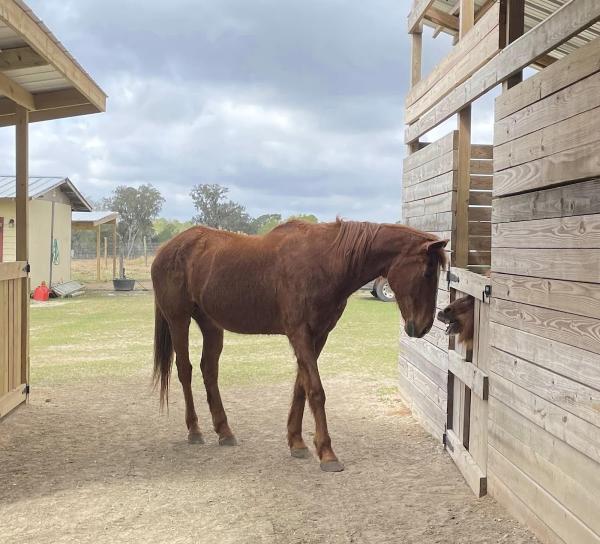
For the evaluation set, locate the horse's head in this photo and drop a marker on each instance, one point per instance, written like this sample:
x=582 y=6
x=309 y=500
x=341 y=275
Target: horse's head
x=459 y=318
x=414 y=279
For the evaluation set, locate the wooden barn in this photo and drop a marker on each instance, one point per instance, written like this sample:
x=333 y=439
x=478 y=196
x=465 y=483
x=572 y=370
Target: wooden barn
x=39 y=81
x=519 y=412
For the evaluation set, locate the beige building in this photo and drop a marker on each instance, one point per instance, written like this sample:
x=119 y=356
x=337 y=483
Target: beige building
x=51 y=202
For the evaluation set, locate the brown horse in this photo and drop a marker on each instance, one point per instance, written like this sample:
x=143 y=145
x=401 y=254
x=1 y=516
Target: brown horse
x=459 y=316
x=295 y=281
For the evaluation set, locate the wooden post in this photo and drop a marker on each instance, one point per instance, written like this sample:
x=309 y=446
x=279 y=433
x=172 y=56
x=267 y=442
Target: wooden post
x=145 y=252
x=22 y=226
x=512 y=20
x=105 y=252
x=115 y=249
x=416 y=72
x=98 y=253
x=461 y=256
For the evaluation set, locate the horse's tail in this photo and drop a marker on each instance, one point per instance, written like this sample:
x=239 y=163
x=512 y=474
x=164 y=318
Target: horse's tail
x=163 y=355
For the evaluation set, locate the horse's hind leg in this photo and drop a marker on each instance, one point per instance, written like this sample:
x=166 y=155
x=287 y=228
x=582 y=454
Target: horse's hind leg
x=212 y=346
x=180 y=336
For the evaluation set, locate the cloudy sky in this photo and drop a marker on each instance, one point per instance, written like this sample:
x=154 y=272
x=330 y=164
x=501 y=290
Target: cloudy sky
x=295 y=105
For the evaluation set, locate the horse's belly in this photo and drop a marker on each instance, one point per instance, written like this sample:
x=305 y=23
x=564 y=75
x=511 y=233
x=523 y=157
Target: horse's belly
x=244 y=314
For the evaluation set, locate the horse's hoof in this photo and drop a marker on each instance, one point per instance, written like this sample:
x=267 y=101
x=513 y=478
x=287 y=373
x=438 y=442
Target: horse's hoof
x=228 y=441
x=300 y=453
x=332 y=466
x=195 y=438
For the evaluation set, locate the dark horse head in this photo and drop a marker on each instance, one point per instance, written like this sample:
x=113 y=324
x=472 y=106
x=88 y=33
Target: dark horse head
x=414 y=277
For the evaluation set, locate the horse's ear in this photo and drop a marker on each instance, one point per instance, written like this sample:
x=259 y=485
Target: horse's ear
x=435 y=245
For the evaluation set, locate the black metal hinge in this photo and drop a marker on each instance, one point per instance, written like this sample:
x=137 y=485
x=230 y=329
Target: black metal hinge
x=27 y=268
x=450 y=277
x=26 y=390
x=487 y=293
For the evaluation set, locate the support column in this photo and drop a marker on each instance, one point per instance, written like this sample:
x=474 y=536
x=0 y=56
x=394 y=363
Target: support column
x=115 y=249
x=98 y=253
x=512 y=27
x=22 y=226
x=461 y=247
x=416 y=72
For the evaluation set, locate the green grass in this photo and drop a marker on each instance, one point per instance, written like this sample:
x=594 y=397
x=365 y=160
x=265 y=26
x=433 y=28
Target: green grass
x=105 y=336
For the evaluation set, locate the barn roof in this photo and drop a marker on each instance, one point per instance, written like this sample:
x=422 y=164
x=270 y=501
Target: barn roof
x=37 y=71
x=535 y=12
x=39 y=186
x=93 y=219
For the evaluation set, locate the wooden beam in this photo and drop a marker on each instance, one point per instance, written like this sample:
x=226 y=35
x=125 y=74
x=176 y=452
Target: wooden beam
x=15 y=92
x=558 y=28
x=98 y=236
x=49 y=115
x=416 y=55
x=115 y=249
x=19 y=58
x=16 y=17
x=48 y=100
x=513 y=21
x=416 y=14
x=443 y=19
x=22 y=226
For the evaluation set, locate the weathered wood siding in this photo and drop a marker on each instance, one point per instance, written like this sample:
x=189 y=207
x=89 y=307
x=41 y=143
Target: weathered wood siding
x=544 y=428
x=429 y=203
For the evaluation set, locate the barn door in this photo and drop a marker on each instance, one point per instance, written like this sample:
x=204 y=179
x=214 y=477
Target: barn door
x=466 y=432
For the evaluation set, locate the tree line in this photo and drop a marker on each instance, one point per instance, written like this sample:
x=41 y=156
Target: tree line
x=139 y=216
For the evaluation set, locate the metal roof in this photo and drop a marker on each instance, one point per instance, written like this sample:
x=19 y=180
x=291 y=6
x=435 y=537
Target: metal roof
x=40 y=186
x=535 y=12
x=94 y=219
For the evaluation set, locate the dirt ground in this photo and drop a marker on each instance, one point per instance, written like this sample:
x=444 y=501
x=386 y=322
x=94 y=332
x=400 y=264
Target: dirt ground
x=97 y=463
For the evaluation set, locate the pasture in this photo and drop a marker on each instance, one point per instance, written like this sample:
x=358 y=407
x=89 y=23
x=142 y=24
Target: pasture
x=90 y=459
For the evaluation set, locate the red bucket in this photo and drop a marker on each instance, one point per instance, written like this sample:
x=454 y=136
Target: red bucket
x=41 y=293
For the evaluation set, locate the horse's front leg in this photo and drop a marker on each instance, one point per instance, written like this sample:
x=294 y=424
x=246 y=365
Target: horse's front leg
x=306 y=353
x=296 y=442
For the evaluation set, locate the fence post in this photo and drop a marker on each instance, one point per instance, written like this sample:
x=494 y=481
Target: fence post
x=105 y=252
x=145 y=253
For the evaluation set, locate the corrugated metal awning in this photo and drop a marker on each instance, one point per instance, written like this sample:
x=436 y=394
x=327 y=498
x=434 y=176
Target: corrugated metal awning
x=40 y=186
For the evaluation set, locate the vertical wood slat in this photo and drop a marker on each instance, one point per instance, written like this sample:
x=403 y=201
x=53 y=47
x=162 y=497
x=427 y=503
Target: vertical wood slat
x=5 y=378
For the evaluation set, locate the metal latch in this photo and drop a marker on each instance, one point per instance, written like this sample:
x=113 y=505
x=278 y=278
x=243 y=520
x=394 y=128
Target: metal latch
x=450 y=277
x=27 y=268
x=487 y=293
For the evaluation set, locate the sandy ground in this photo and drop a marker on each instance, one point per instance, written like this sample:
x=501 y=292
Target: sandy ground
x=97 y=463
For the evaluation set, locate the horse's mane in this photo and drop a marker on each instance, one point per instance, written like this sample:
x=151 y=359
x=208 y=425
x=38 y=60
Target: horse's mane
x=353 y=242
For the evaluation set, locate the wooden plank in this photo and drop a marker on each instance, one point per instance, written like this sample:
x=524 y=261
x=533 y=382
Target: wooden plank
x=436 y=167
x=468 y=282
x=579 y=331
x=22 y=226
x=480 y=243
x=435 y=186
x=431 y=151
x=573 y=397
x=5 y=374
x=569 y=70
x=477 y=198
x=51 y=114
x=432 y=361
x=428 y=206
x=442 y=19
x=572 y=133
x=473 y=475
x=10 y=271
x=482 y=167
x=463 y=164
x=580 y=163
x=13 y=15
x=512 y=27
x=557 y=28
x=430 y=389
x=568 y=296
x=482 y=151
x=480 y=228
x=465 y=66
x=479 y=258
x=480 y=213
x=432 y=223
x=417 y=12
x=578 y=98
x=569 y=476
x=461 y=50
x=18 y=58
x=571 y=362
x=546 y=507
x=561 y=264
x=469 y=374
x=581 y=232
x=11 y=400
x=11 y=89
x=569 y=200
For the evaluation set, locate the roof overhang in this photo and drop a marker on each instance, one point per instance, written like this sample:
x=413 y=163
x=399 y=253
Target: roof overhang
x=38 y=73
x=94 y=219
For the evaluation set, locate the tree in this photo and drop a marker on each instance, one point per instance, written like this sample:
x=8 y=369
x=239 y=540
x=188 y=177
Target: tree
x=137 y=209
x=165 y=229
x=265 y=223
x=308 y=217
x=217 y=211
